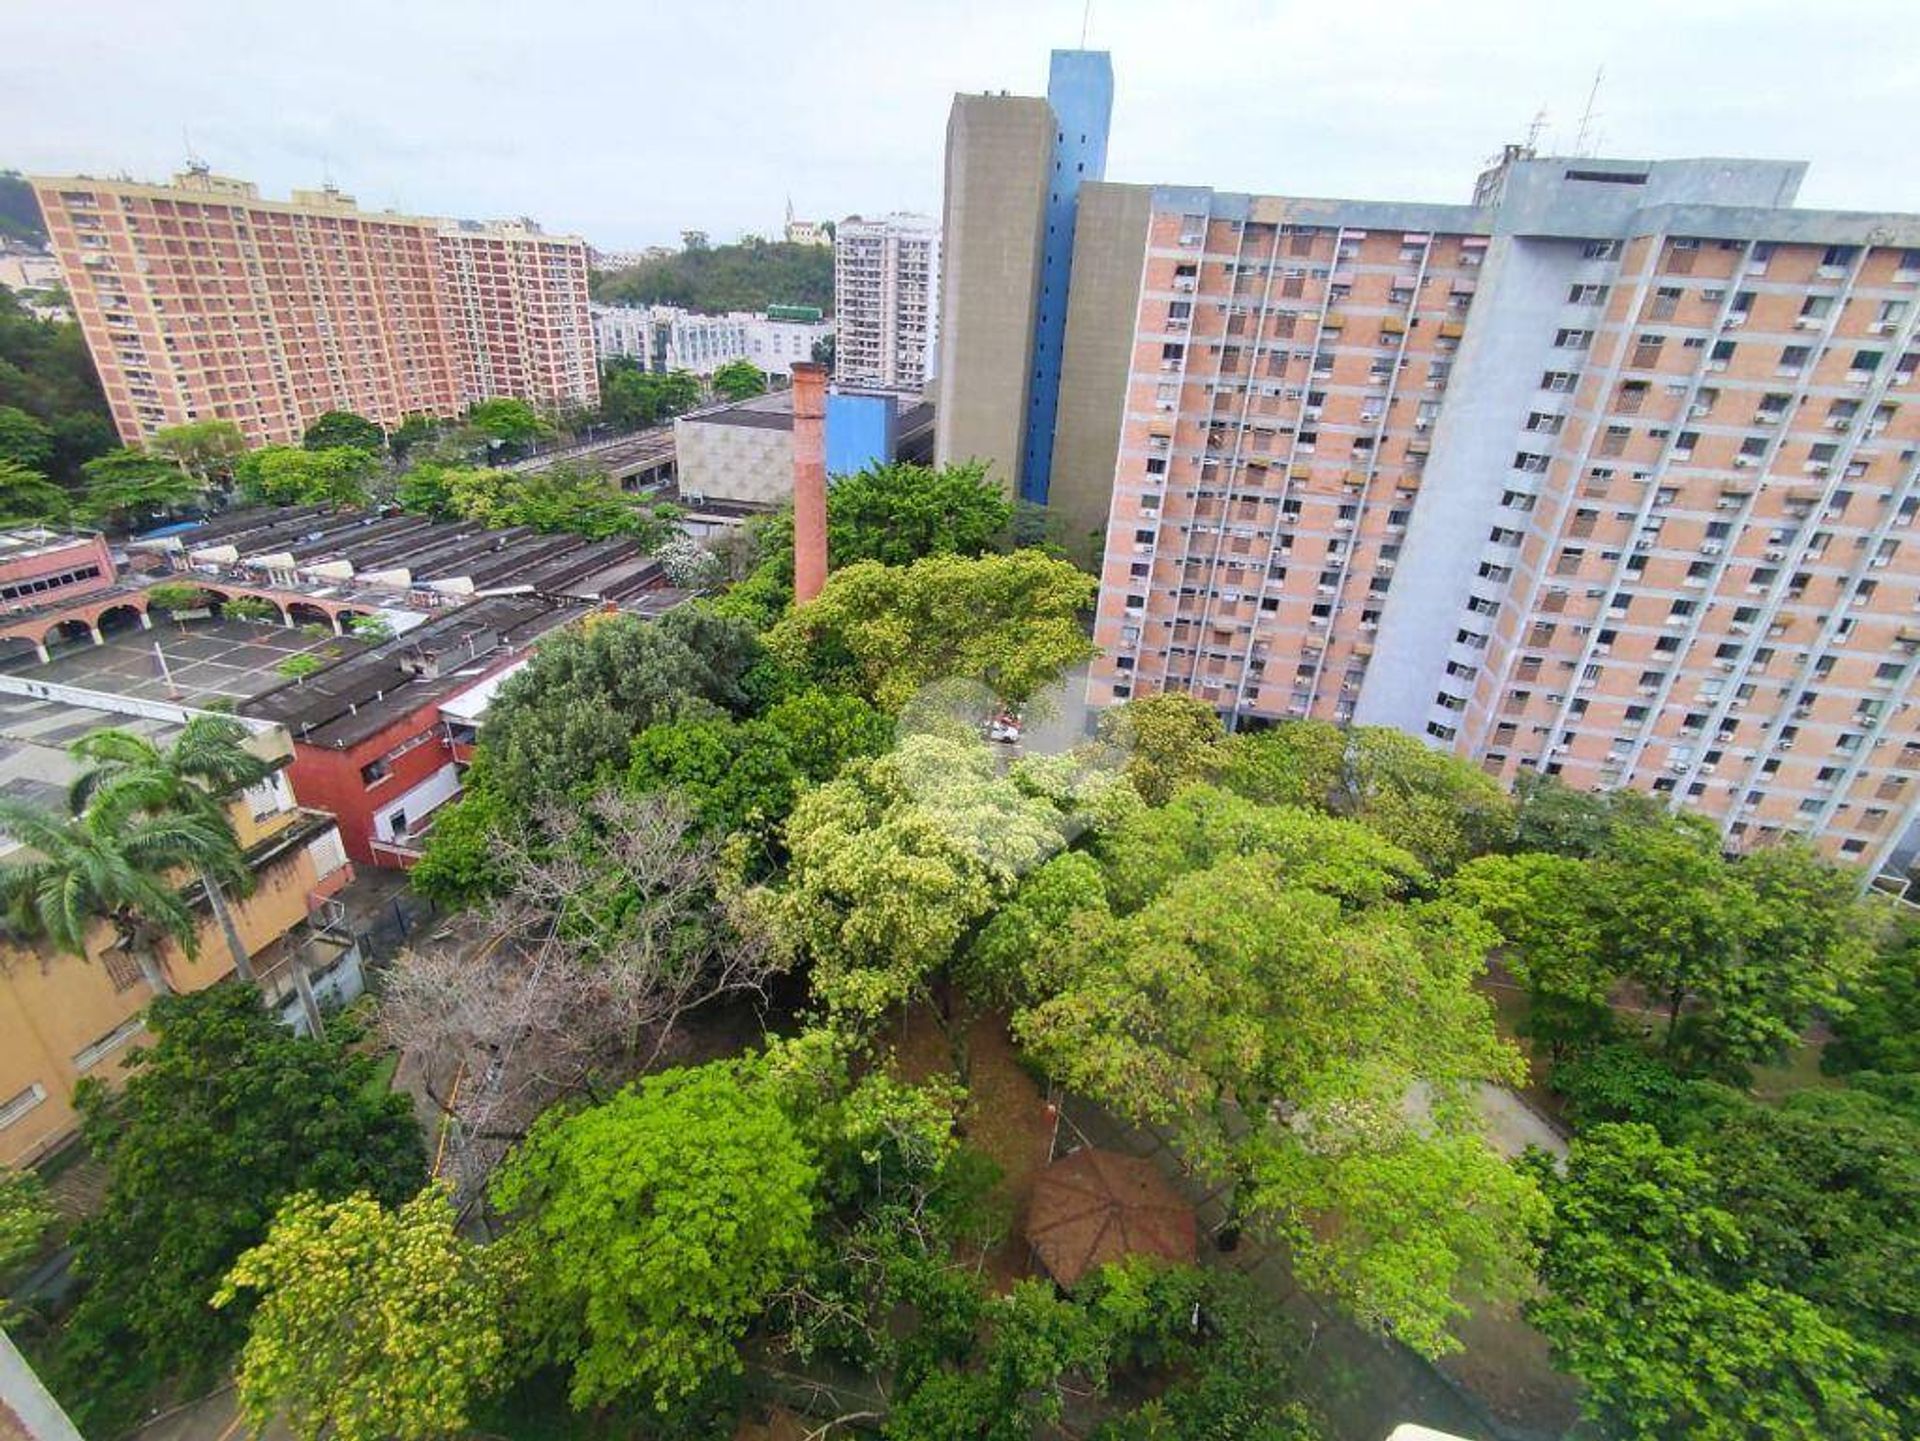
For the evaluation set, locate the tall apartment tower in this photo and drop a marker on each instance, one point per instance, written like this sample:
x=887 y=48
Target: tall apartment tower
x=1014 y=169
x=199 y=300
x=885 y=280
x=1611 y=474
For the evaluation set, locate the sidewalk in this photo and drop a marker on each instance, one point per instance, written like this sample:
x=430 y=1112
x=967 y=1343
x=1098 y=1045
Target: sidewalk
x=1364 y=1384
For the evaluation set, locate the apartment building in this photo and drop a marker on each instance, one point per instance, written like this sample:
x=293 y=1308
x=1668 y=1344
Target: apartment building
x=1609 y=474
x=62 y=1017
x=200 y=300
x=1607 y=477
x=885 y=288
x=665 y=337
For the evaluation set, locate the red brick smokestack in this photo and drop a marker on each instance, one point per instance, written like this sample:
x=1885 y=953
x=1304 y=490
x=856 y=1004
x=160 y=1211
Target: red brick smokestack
x=809 y=480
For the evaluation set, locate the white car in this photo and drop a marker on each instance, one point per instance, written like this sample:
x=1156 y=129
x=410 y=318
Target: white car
x=1004 y=728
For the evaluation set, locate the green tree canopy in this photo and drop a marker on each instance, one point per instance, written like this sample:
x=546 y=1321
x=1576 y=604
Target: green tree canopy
x=205 y=449
x=899 y=513
x=337 y=428
x=1280 y=1031
x=1010 y=621
x=129 y=487
x=1440 y=808
x=196 y=778
x=27 y=495
x=655 y=1227
x=291 y=475
x=633 y=398
x=1880 y=1028
x=715 y=279
x=1552 y=816
x=370 y=1324
x=1654 y=1304
x=560 y=497
x=739 y=379
x=25 y=440
x=1171 y=740
x=570 y=715
x=896 y=861
x=746 y=775
x=46 y=372
x=226 y=1115
x=25 y=1217
x=116 y=863
x=1739 y=955
x=510 y=422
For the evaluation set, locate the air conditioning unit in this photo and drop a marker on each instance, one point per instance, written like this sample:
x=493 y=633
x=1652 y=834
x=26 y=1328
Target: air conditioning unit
x=1745 y=462
x=1710 y=547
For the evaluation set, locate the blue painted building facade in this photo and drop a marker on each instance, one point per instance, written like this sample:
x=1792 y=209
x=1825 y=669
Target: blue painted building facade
x=861 y=432
x=1080 y=90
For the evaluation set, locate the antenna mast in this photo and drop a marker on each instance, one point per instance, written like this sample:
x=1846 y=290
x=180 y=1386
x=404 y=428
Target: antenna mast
x=1086 y=19
x=1587 y=116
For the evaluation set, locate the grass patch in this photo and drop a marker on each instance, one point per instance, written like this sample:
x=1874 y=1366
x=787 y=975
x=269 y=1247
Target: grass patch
x=381 y=1081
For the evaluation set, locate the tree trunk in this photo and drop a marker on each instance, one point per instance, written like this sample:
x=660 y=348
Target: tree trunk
x=147 y=956
x=1675 y=999
x=242 y=962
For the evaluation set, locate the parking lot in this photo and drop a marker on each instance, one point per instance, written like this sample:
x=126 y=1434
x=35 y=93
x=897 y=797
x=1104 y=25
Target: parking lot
x=198 y=663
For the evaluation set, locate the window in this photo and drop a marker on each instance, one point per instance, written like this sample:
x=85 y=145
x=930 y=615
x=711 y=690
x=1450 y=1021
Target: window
x=1587 y=295
x=21 y=1102
x=91 y=1056
x=1559 y=380
x=1573 y=339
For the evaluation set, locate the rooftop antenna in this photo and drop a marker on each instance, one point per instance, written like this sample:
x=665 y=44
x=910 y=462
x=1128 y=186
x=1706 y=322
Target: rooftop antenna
x=1086 y=19
x=1587 y=116
x=1533 y=130
x=195 y=165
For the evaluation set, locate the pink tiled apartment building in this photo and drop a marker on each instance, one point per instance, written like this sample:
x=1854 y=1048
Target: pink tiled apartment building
x=1611 y=474
x=199 y=300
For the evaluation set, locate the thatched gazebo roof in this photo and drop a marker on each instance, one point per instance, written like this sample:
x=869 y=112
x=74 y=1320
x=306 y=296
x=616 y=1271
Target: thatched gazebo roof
x=1095 y=1206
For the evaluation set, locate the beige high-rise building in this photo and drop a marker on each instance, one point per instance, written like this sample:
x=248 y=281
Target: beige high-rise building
x=199 y=300
x=1610 y=474
x=994 y=223
x=885 y=289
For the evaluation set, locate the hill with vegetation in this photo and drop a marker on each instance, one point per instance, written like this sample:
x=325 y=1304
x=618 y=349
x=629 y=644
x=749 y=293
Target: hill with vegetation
x=19 y=211
x=748 y=276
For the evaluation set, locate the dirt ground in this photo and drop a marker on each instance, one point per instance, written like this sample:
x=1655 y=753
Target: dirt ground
x=1007 y=1118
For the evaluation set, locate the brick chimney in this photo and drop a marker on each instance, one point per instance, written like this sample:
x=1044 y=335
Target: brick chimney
x=809 y=480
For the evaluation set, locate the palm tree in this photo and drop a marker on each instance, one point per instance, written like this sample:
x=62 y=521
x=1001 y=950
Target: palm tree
x=108 y=866
x=195 y=778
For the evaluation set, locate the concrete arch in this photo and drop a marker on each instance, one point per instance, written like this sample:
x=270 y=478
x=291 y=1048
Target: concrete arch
x=303 y=612
x=123 y=616
x=67 y=633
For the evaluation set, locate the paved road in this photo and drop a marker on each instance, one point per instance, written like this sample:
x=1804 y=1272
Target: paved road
x=213 y=1418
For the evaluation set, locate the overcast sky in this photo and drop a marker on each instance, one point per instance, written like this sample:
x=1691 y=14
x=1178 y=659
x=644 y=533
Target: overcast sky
x=629 y=122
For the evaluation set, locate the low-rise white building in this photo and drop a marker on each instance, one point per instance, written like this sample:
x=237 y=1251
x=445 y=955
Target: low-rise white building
x=666 y=337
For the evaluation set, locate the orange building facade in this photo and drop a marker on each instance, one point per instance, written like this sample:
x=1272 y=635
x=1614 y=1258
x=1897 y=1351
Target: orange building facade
x=64 y=1018
x=1611 y=474
x=200 y=300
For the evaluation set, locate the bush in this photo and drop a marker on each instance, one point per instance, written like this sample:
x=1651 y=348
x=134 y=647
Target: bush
x=178 y=595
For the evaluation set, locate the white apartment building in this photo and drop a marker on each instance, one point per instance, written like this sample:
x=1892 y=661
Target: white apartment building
x=665 y=337
x=886 y=277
